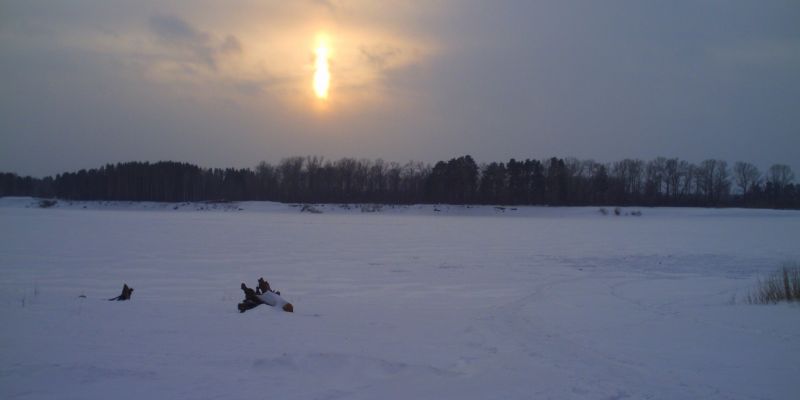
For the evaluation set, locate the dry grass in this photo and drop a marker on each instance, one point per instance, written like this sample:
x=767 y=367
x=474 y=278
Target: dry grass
x=781 y=285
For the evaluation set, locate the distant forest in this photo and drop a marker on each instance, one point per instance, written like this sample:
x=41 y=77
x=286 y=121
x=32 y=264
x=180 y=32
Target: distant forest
x=554 y=181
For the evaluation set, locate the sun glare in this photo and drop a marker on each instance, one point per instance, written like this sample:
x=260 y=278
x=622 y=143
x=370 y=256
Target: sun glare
x=322 y=75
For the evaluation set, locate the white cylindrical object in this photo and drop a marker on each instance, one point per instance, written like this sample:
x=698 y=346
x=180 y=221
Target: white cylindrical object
x=273 y=299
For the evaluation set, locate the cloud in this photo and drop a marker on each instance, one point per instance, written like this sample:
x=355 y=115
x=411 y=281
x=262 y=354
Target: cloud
x=181 y=36
x=172 y=28
x=231 y=45
x=331 y=5
x=380 y=56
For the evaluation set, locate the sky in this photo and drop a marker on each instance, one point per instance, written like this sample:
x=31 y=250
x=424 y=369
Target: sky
x=229 y=84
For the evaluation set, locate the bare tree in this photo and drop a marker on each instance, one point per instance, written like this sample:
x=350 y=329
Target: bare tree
x=654 y=177
x=375 y=180
x=313 y=168
x=713 y=180
x=687 y=173
x=629 y=173
x=746 y=176
x=290 y=171
x=394 y=173
x=672 y=177
x=266 y=180
x=780 y=175
x=722 y=182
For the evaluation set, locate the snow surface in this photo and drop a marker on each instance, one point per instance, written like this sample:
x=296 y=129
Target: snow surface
x=402 y=303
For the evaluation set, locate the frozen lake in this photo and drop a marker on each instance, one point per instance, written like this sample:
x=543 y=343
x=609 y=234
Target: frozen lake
x=405 y=303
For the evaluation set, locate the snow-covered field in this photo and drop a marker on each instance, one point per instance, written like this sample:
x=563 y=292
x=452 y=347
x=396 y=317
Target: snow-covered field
x=404 y=303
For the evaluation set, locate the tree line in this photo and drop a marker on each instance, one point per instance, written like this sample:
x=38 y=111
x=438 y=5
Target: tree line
x=554 y=181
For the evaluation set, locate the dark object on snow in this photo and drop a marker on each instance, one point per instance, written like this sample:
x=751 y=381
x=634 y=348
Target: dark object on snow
x=249 y=294
x=263 y=286
x=46 y=203
x=126 y=293
x=251 y=300
x=262 y=295
x=247 y=305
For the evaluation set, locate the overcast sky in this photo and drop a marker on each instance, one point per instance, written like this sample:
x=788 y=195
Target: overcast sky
x=229 y=83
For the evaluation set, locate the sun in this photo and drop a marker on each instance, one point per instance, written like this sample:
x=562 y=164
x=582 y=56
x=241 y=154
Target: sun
x=322 y=74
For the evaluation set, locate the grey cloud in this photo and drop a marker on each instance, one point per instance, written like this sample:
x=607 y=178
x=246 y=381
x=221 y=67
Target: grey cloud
x=174 y=29
x=231 y=45
x=179 y=34
x=379 y=56
x=331 y=5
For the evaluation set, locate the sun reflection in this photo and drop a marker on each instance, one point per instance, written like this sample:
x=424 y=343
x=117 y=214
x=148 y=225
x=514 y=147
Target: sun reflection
x=322 y=75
